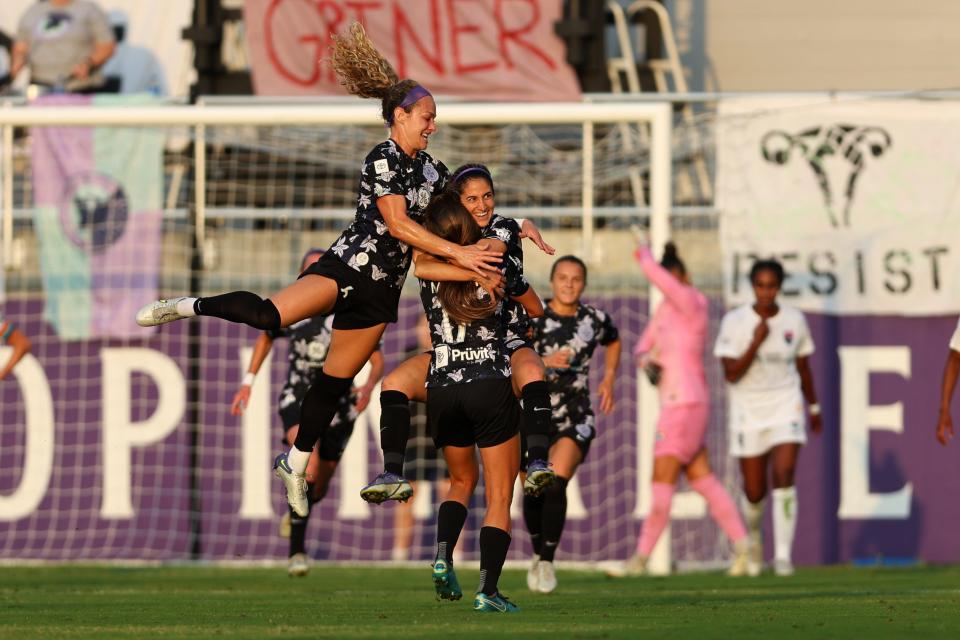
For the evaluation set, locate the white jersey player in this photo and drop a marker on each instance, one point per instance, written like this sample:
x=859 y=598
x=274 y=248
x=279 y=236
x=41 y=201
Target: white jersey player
x=764 y=348
x=950 y=373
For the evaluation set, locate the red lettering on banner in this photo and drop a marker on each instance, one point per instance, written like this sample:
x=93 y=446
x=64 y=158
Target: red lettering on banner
x=332 y=26
x=274 y=57
x=456 y=28
x=401 y=24
x=514 y=35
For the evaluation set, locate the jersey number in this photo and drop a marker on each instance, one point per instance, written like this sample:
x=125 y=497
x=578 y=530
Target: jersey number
x=448 y=334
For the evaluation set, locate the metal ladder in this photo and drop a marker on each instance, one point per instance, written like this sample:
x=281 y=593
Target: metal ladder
x=623 y=68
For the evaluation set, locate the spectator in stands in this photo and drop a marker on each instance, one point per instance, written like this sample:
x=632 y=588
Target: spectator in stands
x=136 y=68
x=10 y=335
x=951 y=371
x=63 y=42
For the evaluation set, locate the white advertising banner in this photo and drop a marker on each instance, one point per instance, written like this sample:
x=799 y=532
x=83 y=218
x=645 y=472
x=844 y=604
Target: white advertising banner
x=859 y=199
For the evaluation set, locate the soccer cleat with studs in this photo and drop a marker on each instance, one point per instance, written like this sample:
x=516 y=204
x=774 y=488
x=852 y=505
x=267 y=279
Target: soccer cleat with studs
x=295 y=484
x=159 y=312
x=539 y=477
x=445 y=581
x=387 y=486
x=497 y=603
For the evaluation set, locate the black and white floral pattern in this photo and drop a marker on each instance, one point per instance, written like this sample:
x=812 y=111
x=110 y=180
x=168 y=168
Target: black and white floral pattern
x=463 y=353
x=366 y=245
x=580 y=333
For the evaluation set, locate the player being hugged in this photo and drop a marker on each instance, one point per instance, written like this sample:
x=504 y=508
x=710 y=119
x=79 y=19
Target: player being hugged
x=359 y=278
x=470 y=402
x=473 y=184
x=765 y=349
x=566 y=336
x=670 y=351
x=309 y=344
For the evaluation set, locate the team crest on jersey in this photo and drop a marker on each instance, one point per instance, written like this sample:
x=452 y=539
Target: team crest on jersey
x=430 y=172
x=788 y=337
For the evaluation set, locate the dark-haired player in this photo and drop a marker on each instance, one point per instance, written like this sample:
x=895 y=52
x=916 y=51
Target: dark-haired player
x=309 y=344
x=765 y=348
x=566 y=336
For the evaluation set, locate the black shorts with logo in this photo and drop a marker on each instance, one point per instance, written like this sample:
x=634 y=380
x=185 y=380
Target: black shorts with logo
x=361 y=302
x=582 y=435
x=483 y=412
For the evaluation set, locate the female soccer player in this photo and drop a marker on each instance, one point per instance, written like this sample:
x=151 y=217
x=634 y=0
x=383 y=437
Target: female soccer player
x=765 y=349
x=566 y=337
x=9 y=334
x=951 y=371
x=360 y=277
x=671 y=351
x=474 y=185
x=309 y=343
x=470 y=402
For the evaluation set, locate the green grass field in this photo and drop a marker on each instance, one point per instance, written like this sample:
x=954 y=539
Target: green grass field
x=340 y=602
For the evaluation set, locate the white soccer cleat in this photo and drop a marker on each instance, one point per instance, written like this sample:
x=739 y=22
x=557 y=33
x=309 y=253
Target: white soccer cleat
x=741 y=559
x=285 y=526
x=295 y=484
x=547 y=577
x=533 y=575
x=298 y=565
x=159 y=312
x=783 y=568
x=634 y=567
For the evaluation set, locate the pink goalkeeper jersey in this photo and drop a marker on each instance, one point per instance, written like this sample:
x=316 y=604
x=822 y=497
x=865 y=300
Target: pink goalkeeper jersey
x=676 y=336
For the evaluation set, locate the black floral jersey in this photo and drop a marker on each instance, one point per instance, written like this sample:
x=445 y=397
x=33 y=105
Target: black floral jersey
x=309 y=342
x=580 y=333
x=462 y=353
x=514 y=316
x=366 y=245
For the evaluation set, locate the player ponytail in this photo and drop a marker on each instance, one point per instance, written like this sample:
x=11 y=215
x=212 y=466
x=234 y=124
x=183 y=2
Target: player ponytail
x=447 y=218
x=671 y=259
x=364 y=72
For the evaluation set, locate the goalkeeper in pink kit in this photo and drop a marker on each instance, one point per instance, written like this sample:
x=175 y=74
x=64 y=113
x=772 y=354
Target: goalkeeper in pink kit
x=671 y=353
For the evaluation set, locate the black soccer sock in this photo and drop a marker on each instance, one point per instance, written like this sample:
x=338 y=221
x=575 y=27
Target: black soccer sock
x=554 y=517
x=537 y=420
x=394 y=429
x=450 y=519
x=533 y=517
x=494 y=544
x=240 y=306
x=319 y=405
x=298 y=533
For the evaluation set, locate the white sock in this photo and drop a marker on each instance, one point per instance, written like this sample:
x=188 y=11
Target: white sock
x=185 y=307
x=784 y=521
x=753 y=516
x=298 y=460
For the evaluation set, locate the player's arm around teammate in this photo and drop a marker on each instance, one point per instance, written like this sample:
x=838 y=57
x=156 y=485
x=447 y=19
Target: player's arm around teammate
x=18 y=341
x=359 y=279
x=951 y=370
x=764 y=348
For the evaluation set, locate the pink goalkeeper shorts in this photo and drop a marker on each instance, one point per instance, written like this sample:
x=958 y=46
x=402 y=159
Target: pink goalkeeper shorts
x=681 y=430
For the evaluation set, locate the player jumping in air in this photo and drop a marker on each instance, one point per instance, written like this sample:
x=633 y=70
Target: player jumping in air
x=309 y=344
x=474 y=186
x=765 y=349
x=566 y=337
x=359 y=278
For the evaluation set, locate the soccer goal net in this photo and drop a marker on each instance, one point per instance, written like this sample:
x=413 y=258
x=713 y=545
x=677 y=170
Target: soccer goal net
x=118 y=442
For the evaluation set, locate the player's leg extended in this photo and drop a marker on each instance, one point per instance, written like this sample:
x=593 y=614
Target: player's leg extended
x=349 y=351
x=501 y=463
x=451 y=516
x=754 y=472
x=529 y=377
x=666 y=470
x=701 y=479
x=399 y=387
x=308 y=296
x=783 y=459
x=565 y=457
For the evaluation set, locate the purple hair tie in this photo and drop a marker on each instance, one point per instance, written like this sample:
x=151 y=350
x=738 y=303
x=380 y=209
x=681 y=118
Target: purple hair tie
x=416 y=92
x=464 y=172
